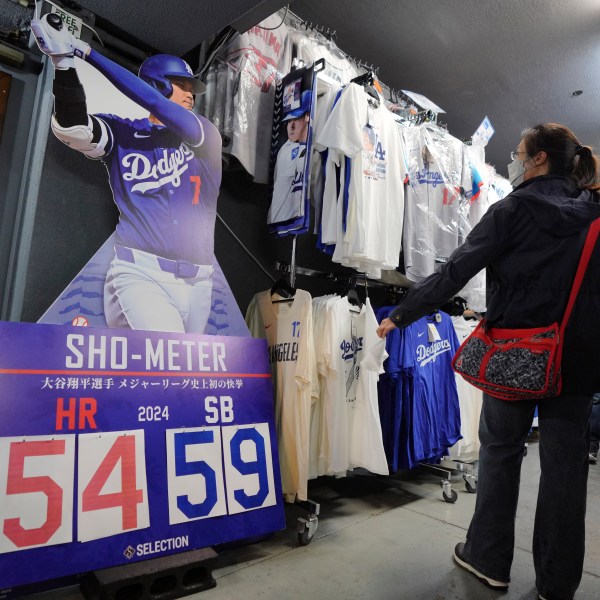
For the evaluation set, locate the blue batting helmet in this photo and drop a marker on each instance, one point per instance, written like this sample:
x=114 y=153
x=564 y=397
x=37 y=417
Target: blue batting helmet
x=157 y=69
x=305 y=105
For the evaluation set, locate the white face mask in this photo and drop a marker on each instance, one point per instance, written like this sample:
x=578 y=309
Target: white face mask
x=516 y=172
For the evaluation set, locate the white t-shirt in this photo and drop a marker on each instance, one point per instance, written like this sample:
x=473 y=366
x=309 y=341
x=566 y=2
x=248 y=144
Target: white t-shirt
x=260 y=57
x=370 y=138
x=470 y=400
x=288 y=329
x=309 y=49
x=366 y=440
x=351 y=359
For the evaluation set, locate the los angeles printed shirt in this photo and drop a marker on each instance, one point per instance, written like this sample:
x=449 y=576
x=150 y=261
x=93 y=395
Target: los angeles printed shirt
x=370 y=138
x=350 y=360
x=288 y=329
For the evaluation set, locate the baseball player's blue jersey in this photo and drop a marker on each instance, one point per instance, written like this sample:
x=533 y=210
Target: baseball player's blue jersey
x=166 y=194
x=165 y=174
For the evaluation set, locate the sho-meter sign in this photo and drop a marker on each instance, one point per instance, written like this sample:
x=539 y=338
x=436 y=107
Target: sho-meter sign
x=118 y=446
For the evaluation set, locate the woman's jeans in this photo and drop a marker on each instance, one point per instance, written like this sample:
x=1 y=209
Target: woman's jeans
x=559 y=530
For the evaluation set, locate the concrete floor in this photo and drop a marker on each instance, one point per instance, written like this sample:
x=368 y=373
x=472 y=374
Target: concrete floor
x=381 y=538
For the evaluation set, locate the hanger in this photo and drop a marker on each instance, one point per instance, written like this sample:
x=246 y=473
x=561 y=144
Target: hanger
x=352 y=295
x=373 y=96
x=354 y=299
x=395 y=294
x=283 y=288
x=345 y=287
x=367 y=80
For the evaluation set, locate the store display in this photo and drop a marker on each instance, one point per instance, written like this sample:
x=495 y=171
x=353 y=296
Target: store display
x=214 y=456
x=136 y=445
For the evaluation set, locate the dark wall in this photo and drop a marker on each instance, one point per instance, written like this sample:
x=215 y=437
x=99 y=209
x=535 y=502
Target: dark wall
x=74 y=216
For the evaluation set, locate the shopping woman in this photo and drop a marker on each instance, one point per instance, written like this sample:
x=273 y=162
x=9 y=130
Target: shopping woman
x=530 y=242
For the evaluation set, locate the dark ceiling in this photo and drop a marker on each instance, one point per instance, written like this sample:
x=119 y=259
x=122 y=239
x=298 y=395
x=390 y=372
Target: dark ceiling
x=516 y=61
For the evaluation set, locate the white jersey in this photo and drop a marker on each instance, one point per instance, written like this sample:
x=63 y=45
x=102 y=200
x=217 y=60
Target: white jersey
x=318 y=432
x=474 y=291
x=369 y=137
x=288 y=183
x=260 y=57
x=288 y=329
x=351 y=359
x=470 y=400
x=366 y=440
x=436 y=211
x=326 y=94
x=308 y=49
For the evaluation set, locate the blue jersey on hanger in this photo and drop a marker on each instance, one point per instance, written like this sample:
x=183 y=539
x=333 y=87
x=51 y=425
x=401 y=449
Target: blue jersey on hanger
x=418 y=400
x=434 y=399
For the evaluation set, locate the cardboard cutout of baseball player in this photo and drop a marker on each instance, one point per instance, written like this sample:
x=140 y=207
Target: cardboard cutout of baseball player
x=165 y=173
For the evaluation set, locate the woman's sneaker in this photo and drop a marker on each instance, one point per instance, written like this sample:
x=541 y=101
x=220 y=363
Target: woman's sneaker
x=593 y=457
x=461 y=560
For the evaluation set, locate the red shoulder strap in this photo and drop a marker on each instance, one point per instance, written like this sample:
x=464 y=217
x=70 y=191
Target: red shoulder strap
x=590 y=242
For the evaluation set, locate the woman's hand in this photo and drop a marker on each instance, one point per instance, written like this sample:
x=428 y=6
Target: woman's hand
x=385 y=327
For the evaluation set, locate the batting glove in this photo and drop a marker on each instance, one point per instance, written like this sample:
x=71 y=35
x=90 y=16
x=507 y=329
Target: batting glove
x=57 y=42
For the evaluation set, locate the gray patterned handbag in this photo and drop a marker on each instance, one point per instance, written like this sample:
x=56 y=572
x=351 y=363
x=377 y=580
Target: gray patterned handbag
x=520 y=364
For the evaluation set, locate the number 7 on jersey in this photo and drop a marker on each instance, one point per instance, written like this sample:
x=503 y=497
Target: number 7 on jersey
x=195 y=179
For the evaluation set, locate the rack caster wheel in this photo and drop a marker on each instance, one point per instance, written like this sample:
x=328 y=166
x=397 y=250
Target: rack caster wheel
x=451 y=499
x=307 y=529
x=448 y=493
x=470 y=484
x=304 y=539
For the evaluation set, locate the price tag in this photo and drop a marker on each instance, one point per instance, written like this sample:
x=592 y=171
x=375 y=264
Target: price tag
x=432 y=333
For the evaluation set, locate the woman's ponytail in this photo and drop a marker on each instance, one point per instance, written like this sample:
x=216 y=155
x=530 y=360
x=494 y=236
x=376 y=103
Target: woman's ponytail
x=585 y=173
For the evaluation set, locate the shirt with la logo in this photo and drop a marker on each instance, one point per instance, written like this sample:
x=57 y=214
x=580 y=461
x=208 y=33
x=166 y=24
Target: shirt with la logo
x=288 y=329
x=370 y=138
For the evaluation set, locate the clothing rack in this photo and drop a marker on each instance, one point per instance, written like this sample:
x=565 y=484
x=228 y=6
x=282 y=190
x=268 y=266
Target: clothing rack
x=287 y=268
x=444 y=469
x=370 y=71
x=307 y=527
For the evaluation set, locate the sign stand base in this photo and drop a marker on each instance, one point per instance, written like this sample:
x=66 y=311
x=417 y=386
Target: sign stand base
x=167 y=578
